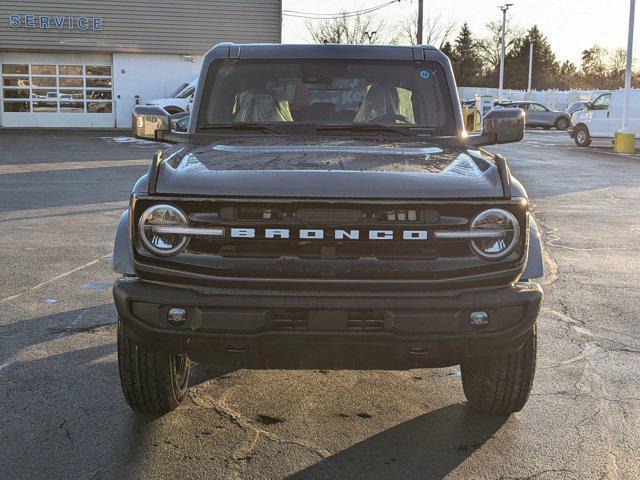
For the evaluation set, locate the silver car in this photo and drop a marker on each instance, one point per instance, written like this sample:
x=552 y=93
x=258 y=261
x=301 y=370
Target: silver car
x=537 y=115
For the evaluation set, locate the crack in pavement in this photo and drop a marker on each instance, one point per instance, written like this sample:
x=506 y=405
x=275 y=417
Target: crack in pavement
x=86 y=328
x=241 y=455
x=536 y=475
x=590 y=383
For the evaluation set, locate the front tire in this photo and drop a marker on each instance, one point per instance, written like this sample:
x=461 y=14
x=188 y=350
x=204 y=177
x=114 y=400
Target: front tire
x=581 y=136
x=501 y=384
x=152 y=382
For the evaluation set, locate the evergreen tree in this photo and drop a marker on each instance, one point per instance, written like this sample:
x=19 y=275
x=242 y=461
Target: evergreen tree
x=568 y=76
x=545 y=66
x=467 y=64
x=447 y=49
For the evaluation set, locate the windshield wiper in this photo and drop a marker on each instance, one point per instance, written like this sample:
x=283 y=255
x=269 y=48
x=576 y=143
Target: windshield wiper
x=366 y=127
x=261 y=127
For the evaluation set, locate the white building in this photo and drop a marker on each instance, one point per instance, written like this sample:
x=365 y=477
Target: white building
x=65 y=63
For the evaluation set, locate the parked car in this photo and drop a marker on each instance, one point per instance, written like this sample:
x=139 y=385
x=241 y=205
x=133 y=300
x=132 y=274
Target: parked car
x=278 y=237
x=603 y=117
x=537 y=115
x=178 y=101
x=576 y=107
x=179 y=122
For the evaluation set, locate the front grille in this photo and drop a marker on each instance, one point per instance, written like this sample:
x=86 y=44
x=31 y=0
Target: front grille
x=331 y=257
x=353 y=320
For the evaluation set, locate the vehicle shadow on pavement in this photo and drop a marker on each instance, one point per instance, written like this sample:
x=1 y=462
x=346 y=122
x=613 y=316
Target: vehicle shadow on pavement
x=433 y=444
x=67 y=418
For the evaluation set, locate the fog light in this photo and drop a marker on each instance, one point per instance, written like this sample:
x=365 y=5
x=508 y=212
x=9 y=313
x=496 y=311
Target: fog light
x=177 y=316
x=479 y=319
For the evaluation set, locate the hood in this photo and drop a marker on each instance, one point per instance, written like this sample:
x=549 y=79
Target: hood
x=315 y=167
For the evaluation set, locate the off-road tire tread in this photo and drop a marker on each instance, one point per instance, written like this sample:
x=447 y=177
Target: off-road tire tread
x=501 y=384
x=147 y=377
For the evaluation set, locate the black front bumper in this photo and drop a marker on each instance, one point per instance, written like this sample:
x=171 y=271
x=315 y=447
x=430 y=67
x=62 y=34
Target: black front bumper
x=315 y=329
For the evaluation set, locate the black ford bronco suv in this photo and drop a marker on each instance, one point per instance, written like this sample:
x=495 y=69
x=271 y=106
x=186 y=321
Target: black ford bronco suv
x=327 y=209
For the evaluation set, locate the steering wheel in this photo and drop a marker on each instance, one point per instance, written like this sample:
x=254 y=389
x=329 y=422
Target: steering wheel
x=391 y=116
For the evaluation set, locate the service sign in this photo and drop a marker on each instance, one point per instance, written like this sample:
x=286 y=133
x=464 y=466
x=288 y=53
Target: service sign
x=55 y=22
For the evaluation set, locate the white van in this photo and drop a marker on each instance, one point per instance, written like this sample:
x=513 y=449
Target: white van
x=603 y=117
x=178 y=101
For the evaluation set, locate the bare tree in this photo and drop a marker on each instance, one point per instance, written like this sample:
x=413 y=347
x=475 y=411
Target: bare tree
x=490 y=46
x=349 y=29
x=604 y=69
x=436 y=30
x=618 y=60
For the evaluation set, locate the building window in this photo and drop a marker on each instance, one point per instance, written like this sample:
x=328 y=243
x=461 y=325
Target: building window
x=15 y=69
x=57 y=88
x=70 y=69
x=16 y=106
x=98 y=70
x=43 y=70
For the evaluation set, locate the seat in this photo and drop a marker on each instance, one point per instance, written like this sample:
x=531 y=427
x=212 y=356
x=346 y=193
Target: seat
x=384 y=99
x=261 y=106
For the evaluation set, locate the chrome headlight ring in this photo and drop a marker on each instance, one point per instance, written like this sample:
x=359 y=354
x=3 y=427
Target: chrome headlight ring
x=502 y=233
x=156 y=218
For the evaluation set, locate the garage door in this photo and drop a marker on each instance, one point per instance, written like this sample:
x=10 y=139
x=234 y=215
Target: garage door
x=57 y=95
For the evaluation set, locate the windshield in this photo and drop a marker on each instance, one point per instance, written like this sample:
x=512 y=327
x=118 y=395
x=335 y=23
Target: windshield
x=177 y=90
x=328 y=92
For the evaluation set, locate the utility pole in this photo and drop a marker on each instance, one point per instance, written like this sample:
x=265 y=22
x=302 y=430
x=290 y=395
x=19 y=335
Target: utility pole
x=420 y=20
x=504 y=9
x=627 y=75
x=530 y=65
x=624 y=141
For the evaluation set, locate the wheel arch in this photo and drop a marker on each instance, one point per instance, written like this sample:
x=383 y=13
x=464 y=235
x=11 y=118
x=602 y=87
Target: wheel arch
x=535 y=263
x=121 y=261
x=582 y=125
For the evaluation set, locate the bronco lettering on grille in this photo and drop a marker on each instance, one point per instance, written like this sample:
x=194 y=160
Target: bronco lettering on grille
x=320 y=234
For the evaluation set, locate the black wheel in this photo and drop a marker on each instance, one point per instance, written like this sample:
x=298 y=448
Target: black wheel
x=581 y=136
x=152 y=382
x=562 y=123
x=501 y=384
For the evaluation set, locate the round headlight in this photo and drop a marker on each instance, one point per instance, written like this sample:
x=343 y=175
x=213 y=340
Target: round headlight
x=496 y=233
x=157 y=229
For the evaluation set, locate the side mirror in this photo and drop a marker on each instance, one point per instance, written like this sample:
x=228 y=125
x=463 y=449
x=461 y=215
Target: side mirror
x=150 y=122
x=500 y=125
x=505 y=124
x=588 y=106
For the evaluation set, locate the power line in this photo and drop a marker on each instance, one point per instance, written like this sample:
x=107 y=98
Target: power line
x=333 y=16
x=354 y=12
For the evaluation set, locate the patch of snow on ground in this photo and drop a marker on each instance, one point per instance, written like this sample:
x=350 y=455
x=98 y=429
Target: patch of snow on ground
x=132 y=140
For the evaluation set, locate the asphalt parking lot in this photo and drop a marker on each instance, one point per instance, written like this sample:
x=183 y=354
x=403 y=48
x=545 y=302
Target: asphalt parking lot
x=64 y=416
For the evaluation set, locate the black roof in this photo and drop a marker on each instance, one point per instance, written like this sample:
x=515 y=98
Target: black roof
x=331 y=51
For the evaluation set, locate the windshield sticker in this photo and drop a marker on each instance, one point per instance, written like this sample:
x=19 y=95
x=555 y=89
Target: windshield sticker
x=190 y=163
x=424 y=74
x=463 y=166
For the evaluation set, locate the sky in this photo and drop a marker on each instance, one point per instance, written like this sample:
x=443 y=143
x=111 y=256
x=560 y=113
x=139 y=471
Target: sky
x=571 y=26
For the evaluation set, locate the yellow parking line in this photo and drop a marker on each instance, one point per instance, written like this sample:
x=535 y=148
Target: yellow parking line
x=51 y=166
